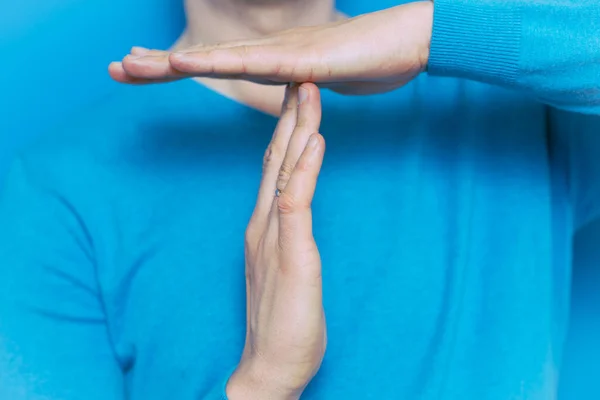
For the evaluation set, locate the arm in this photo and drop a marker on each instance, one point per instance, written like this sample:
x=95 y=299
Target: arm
x=53 y=335
x=548 y=48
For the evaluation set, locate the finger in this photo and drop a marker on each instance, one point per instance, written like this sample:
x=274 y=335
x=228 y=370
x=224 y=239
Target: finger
x=118 y=73
x=151 y=67
x=267 y=61
x=307 y=123
x=142 y=51
x=275 y=153
x=294 y=205
x=156 y=66
x=143 y=63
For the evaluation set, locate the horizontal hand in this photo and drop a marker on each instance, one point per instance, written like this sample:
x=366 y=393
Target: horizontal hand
x=374 y=52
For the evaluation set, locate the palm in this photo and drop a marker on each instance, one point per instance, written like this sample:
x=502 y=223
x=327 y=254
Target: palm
x=295 y=312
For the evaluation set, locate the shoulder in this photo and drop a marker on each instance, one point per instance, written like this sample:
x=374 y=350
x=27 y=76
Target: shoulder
x=94 y=145
x=132 y=144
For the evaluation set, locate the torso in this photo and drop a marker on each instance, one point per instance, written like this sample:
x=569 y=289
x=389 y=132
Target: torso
x=443 y=239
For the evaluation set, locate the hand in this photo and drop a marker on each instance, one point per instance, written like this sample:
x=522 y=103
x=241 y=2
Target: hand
x=285 y=332
x=371 y=53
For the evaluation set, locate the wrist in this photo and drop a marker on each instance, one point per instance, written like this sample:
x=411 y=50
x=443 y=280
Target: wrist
x=416 y=26
x=424 y=14
x=248 y=383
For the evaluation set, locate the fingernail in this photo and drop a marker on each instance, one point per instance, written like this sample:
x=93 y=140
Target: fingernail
x=181 y=55
x=139 y=51
x=313 y=141
x=132 y=57
x=302 y=95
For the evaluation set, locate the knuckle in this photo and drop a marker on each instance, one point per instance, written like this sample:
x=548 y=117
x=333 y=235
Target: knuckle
x=288 y=204
x=268 y=157
x=284 y=173
x=272 y=153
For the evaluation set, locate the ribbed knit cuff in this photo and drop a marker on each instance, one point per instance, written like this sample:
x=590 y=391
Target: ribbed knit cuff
x=476 y=39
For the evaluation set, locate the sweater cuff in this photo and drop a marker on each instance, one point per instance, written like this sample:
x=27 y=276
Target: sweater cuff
x=476 y=39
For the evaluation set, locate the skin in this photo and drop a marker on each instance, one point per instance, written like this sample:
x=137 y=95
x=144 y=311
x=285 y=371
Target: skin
x=372 y=53
x=377 y=52
x=216 y=21
x=285 y=330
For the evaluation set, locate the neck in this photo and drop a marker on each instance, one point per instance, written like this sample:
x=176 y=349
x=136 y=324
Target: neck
x=214 y=21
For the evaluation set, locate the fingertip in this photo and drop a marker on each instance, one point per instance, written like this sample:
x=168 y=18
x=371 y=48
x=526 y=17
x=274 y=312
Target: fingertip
x=139 y=51
x=319 y=140
x=313 y=141
x=152 y=67
x=142 y=52
x=115 y=66
x=116 y=71
x=309 y=108
x=303 y=95
x=308 y=93
x=311 y=88
x=118 y=74
x=314 y=153
x=316 y=144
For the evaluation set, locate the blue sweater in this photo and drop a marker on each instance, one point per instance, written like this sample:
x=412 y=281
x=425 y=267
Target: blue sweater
x=444 y=216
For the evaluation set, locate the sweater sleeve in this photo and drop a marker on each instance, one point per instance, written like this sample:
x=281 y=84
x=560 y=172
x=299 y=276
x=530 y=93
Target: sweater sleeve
x=549 y=49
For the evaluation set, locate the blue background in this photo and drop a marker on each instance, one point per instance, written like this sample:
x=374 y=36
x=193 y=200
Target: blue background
x=54 y=55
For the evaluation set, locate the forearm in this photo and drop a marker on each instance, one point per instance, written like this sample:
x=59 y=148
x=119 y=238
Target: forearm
x=547 y=48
